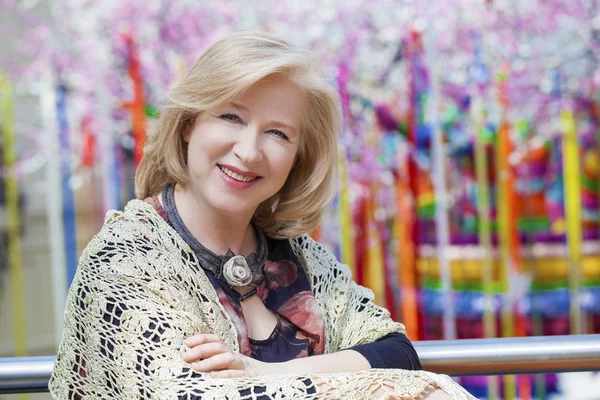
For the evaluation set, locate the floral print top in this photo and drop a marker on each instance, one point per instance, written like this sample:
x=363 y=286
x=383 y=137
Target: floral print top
x=286 y=291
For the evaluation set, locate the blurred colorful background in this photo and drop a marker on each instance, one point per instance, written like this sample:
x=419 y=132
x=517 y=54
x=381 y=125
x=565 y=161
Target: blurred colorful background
x=469 y=159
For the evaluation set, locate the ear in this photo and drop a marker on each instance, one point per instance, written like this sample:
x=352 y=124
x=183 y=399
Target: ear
x=187 y=133
x=188 y=128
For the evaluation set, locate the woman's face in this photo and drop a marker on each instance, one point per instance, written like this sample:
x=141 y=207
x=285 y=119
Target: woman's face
x=241 y=154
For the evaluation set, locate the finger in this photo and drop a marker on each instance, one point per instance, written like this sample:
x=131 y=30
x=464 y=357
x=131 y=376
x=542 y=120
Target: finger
x=204 y=351
x=201 y=338
x=228 y=373
x=216 y=363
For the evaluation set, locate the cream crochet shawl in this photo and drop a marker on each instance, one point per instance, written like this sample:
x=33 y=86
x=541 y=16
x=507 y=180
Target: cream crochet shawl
x=139 y=292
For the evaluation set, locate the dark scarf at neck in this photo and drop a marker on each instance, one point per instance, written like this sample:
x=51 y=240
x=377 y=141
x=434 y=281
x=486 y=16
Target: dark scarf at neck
x=209 y=260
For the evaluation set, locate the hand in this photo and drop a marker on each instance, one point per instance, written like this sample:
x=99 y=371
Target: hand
x=208 y=353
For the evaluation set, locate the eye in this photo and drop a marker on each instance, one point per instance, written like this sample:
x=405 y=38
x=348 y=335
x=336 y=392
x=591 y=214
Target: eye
x=279 y=134
x=231 y=118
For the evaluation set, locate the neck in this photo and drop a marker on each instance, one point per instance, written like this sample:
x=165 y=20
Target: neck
x=216 y=231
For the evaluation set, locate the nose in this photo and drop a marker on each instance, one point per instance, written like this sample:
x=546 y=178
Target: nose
x=248 y=148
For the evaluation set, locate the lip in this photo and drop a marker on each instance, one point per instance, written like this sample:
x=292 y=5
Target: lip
x=239 y=171
x=233 y=183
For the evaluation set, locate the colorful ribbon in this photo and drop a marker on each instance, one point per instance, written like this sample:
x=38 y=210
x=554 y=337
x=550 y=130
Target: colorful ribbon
x=572 y=179
x=54 y=202
x=439 y=179
x=137 y=106
x=485 y=230
x=68 y=202
x=405 y=253
x=11 y=191
x=373 y=266
x=505 y=226
x=345 y=217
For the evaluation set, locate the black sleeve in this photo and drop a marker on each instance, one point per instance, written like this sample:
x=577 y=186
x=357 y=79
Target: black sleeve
x=391 y=351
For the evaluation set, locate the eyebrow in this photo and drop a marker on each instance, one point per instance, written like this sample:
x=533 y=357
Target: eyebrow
x=278 y=124
x=239 y=106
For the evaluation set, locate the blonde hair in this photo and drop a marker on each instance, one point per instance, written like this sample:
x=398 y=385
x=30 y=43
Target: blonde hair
x=223 y=73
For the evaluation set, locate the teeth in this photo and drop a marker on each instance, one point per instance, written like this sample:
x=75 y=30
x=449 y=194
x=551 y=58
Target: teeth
x=236 y=176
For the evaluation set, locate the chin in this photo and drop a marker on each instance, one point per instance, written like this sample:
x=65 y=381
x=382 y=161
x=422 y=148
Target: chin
x=232 y=207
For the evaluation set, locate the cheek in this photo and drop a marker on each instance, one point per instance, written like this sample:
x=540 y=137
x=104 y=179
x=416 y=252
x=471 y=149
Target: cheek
x=205 y=149
x=283 y=164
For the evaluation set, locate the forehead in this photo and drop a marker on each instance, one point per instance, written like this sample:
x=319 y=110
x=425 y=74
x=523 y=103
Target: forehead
x=275 y=97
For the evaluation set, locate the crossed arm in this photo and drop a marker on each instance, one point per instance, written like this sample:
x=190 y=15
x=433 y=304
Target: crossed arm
x=208 y=354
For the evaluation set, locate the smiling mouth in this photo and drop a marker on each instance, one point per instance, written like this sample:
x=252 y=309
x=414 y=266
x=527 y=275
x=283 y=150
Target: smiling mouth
x=236 y=176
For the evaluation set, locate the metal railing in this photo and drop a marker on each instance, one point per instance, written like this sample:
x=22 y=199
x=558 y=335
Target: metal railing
x=540 y=354
x=25 y=374
x=525 y=355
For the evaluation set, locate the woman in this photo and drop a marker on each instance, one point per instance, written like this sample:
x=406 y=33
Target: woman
x=208 y=286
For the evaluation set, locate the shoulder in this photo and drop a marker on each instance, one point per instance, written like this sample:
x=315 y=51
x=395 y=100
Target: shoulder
x=134 y=214
x=138 y=218
x=317 y=259
x=136 y=235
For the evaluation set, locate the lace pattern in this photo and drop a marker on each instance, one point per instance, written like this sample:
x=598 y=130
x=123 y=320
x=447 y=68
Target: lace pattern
x=139 y=292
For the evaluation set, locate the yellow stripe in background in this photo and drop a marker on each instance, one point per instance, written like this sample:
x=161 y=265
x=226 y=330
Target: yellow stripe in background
x=13 y=218
x=373 y=267
x=572 y=176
